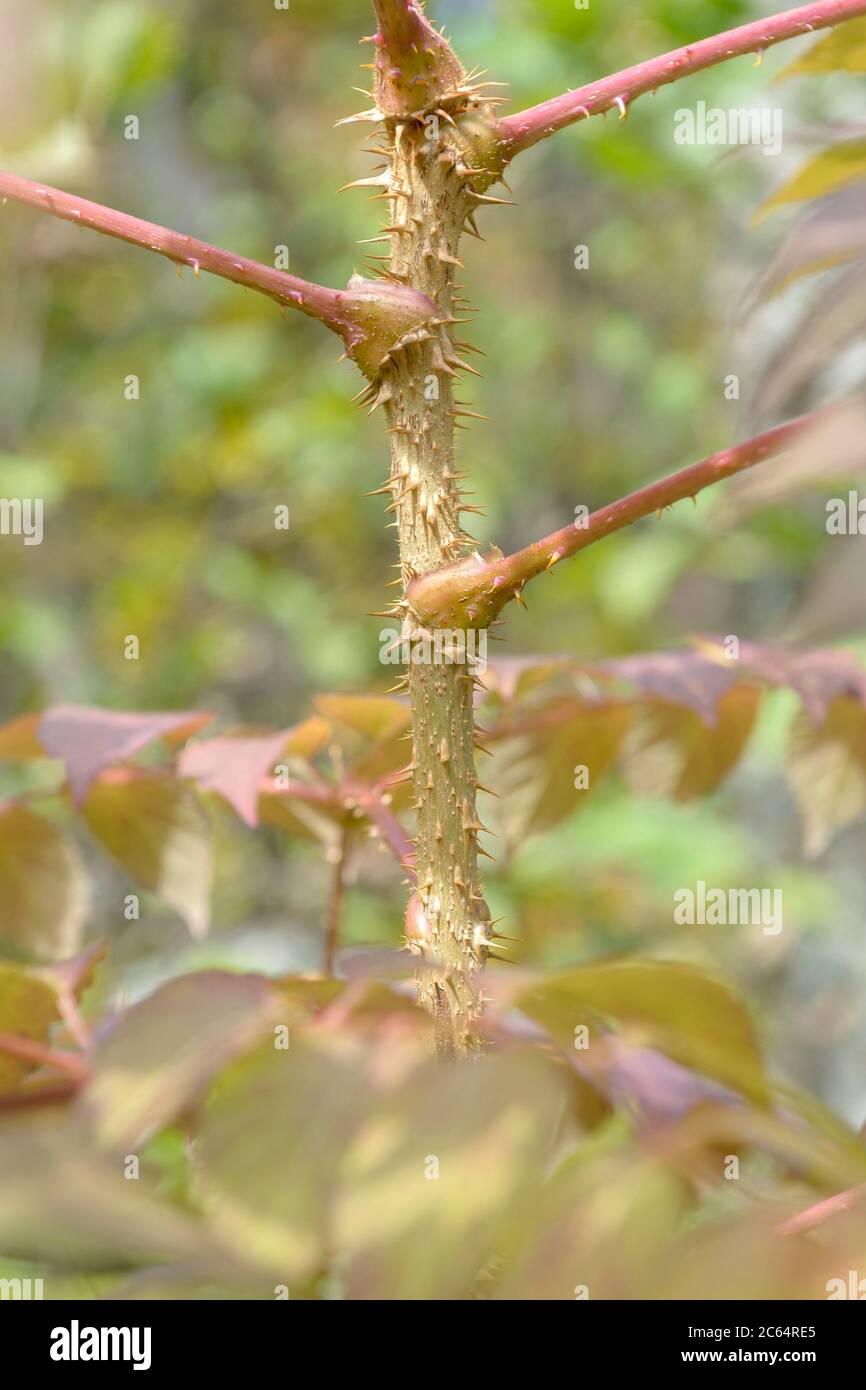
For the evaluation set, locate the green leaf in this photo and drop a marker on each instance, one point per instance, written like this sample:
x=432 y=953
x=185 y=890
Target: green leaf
x=156 y=828
x=442 y=1172
x=43 y=885
x=839 y=165
x=163 y=1052
x=28 y=1007
x=61 y=1201
x=665 y=1004
x=843 y=50
x=271 y=1147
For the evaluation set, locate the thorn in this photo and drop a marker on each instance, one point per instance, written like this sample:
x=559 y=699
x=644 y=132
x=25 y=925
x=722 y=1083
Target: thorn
x=489 y=199
x=375 y=182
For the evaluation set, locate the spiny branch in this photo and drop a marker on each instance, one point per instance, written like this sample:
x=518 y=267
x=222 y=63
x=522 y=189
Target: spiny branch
x=520 y=131
x=472 y=594
x=370 y=316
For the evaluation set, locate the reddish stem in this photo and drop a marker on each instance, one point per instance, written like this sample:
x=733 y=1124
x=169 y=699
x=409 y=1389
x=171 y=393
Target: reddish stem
x=39 y=1054
x=370 y=316
x=822 y=1211
x=472 y=594
x=526 y=128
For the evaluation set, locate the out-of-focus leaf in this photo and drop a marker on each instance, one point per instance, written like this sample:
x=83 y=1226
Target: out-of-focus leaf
x=841 y=164
x=271 y=1147
x=157 y=829
x=833 y=233
x=44 y=892
x=599 y=1229
x=514 y=676
x=536 y=773
x=665 y=1004
x=235 y=766
x=644 y=1083
x=28 y=1007
x=818 y=677
x=671 y=751
x=375 y=717
x=837 y=318
x=827 y=771
x=62 y=1202
x=441 y=1171
x=678 y=677
x=161 y=1053
x=370 y=729
x=88 y=739
x=18 y=739
x=842 y=50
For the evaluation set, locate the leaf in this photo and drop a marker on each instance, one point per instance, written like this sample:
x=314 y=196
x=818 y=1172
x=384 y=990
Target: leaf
x=818 y=677
x=373 y=729
x=235 y=766
x=161 y=1054
x=271 y=1148
x=44 y=893
x=827 y=771
x=19 y=738
x=842 y=50
x=835 y=319
x=678 y=677
x=673 y=1006
x=89 y=739
x=442 y=1171
x=536 y=773
x=671 y=751
x=60 y=1201
x=28 y=1007
x=833 y=233
x=841 y=164
x=156 y=828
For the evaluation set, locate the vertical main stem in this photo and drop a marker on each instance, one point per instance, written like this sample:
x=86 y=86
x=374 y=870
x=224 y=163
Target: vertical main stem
x=429 y=207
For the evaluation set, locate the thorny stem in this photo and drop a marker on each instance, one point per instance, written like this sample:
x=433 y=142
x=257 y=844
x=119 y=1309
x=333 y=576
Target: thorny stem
x=526 y=128
x=443 y=148
x=473 y=593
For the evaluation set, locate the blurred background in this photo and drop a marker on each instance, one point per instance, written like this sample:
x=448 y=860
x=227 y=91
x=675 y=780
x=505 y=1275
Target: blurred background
x=159 y=511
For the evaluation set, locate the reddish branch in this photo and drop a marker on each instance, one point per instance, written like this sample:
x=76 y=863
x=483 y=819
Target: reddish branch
x=370 y=316
x=528 y=127
x=822 y=1211
x=473 y=593
x=40 y=1055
